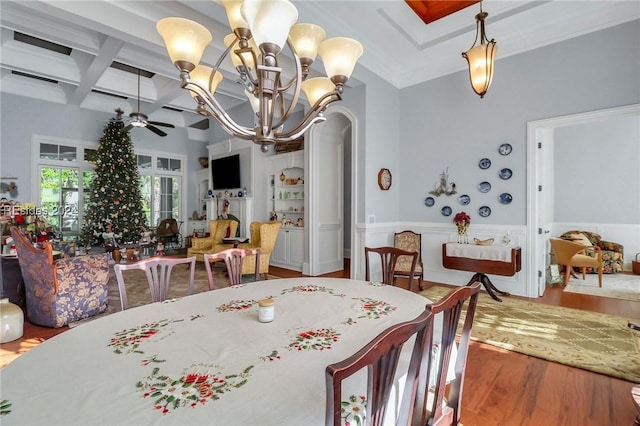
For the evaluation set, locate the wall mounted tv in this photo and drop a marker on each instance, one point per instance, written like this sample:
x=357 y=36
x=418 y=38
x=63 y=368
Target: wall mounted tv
x=225 y=172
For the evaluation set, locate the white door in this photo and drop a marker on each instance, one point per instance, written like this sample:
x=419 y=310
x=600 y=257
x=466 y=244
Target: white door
x=544 y=202
x=325 y=156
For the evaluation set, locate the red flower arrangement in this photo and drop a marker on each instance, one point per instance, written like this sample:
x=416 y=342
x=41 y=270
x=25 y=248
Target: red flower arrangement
x=462 y=217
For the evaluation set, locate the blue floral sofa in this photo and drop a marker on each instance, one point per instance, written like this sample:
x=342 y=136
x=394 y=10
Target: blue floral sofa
x=612 y=253
x=62 y=291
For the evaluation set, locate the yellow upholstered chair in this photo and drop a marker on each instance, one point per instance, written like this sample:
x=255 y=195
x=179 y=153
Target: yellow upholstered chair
x=572 y=255
x=263 y=237
x=219 y=229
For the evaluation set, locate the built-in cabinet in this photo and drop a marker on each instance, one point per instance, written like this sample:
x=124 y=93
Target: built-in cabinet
x=287 y=195
x=286 y=202
x=289 y=249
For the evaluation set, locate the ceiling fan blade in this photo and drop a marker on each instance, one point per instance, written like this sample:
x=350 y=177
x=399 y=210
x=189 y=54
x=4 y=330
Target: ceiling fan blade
x=127 y=128
x=155 y=130
x=157 y=123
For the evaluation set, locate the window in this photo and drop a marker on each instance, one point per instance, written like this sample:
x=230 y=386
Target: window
x=161 y=187
x=66 y=170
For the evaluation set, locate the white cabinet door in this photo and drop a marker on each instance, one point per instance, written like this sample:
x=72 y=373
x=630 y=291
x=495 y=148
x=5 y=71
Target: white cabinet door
x=279 y=253
x=296 y=247
x=288 y=251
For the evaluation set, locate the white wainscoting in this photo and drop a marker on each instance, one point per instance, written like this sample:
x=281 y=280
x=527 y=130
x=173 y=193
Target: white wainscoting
x=436 y=234
x=626 y=234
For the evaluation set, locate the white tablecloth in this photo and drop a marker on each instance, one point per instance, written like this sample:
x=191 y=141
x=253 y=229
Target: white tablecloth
x=205 y=359
x=474 y=251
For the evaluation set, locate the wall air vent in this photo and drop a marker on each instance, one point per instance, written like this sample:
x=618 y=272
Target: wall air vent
x=133 y=70
x=201 y=125
x=173 y=109
x=109 y=94
x=35 y=77
x=44 y=44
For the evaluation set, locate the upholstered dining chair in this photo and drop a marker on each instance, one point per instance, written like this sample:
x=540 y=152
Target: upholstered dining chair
x=380 y=359
x=572 y=255
x=62 y=291
x=409 y=241
x=388 y=259
x=158 y=272
x=233 y=259
x=431 y=407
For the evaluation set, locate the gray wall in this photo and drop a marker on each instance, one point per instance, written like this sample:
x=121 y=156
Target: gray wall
x=23 y=117
x=445 y=124
x=590 y=186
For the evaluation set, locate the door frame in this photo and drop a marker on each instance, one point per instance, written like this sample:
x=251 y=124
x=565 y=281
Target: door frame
x=336 y=110
x=542 y=129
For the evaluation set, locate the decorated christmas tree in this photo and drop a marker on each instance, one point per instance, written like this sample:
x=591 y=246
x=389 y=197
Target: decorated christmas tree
x=114 y=209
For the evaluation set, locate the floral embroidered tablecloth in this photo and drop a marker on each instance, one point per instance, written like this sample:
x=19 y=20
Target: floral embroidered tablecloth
x=205 y=359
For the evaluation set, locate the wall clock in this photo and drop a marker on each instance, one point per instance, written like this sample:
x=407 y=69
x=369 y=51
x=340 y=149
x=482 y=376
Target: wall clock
x=384 y=179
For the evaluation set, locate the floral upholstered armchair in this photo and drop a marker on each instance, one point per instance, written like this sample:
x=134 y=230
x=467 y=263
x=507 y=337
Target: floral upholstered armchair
x=612 y=253
x=62 y=291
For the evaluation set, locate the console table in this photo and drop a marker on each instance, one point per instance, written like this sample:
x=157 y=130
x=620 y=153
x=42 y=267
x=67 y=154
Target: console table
x=483 y=260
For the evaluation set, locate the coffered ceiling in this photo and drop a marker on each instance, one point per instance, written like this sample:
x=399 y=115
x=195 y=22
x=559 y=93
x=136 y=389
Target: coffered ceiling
x=89 y=36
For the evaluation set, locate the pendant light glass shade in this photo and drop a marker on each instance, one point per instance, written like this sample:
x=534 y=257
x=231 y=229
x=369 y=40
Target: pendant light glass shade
x=305 y=39
x=234 y=16
x=339 y=55
x=481 y=64
x=269 y=21
x=481 y=57
x=315 y=88
x=202 y=75
x=185 y=40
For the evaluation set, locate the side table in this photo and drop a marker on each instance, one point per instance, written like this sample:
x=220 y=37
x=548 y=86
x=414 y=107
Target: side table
x=11 y=284
x=483 y=260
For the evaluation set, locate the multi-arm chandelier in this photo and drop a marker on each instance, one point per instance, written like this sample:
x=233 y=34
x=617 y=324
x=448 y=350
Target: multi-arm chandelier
x=481 y=57
x=260 y=30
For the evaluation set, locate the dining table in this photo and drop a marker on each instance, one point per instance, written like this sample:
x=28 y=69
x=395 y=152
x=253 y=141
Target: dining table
x=207 y=359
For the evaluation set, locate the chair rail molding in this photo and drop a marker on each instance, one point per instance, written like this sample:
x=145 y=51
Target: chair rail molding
x=433 y=236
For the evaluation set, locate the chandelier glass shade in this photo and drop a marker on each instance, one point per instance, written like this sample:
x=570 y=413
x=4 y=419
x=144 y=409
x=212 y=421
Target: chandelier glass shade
x=261 y=31
x=481 y=57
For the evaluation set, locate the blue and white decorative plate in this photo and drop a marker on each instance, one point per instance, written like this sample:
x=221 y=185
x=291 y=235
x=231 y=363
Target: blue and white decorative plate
x=463 y=200
x=505 y=149
x=505 y=174
x=484 y=164
x=484 y=187
x=446 y=211
x=505 y=198
x=429 y=201
x=484 y=211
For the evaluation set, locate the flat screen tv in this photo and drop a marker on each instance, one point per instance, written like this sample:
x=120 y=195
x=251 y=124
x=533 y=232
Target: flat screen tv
x=225 y=172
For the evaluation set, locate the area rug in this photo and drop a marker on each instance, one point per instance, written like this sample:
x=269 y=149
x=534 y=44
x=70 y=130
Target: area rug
x=619 y=286
x=588 y=340
x=138 y=289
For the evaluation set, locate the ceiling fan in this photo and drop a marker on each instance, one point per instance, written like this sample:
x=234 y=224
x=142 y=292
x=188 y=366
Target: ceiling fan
x=138 y=119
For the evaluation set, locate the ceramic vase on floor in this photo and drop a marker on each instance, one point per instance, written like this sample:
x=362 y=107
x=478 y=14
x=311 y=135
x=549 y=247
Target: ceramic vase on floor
x=11 y=321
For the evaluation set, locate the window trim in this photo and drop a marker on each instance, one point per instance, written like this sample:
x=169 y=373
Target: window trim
x=81 y=166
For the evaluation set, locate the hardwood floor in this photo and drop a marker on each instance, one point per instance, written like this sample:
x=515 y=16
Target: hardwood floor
x=502 y=388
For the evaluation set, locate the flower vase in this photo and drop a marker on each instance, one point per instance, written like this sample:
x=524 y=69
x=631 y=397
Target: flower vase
x=463 y=238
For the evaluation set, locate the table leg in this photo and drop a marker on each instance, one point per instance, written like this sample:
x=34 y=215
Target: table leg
x=488 y=285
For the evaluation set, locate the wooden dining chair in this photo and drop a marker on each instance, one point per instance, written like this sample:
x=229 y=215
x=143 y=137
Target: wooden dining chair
x=158 y=272
x=380 y=358
x=431 y=406
x=233 y=259
x=388 y=259
x=572 y=255
x=409 y=241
